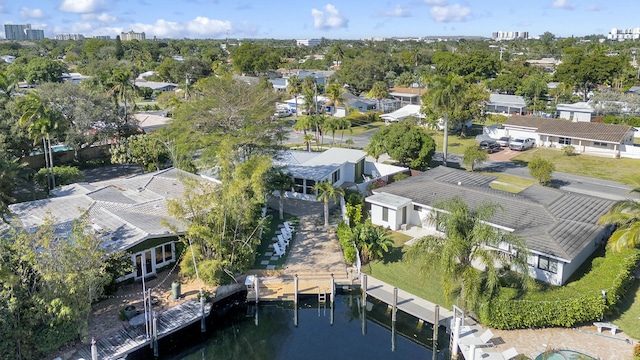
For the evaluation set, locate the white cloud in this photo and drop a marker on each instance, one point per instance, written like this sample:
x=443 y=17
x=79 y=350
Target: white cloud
x=82 y=6
x=27 y=13
x=200 y=27
x=399 y=11
x=434 y=2
x=450 y=13
x=102 y=18
x=563 y=4
x=329 y=19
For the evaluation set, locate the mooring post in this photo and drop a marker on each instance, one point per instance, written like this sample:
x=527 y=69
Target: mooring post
x=331 y=315
x=94 y=349
x=363 y=286
x=395 y=304
x=333 y=289
x=456 y=336
x=155 y=336
x=436 y=325
x=364 y=318
x=295 y=290
x=256 y=283
x=393 y=336
x=150 y=318
x=203 y=325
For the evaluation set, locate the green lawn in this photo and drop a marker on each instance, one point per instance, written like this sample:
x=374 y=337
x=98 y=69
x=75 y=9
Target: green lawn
x=629 y=318
x=394 y=271
x=510 y=183
x=626 y=170
x=357 y=130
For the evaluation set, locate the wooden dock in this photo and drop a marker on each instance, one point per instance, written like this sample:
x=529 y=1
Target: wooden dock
x=132 y=338
x=409 y=303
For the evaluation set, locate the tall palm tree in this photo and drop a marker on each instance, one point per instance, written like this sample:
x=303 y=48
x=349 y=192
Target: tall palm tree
x=334 y=94
x=469 y=239
x=122 y=88
x=344 y=124
x=294 y=87
x=307 y=139
x=447 y=92
x=8 y=84
x=282 y=182
x=625 y=214
x=327 y=192
x=379 y=91
x=41 y=123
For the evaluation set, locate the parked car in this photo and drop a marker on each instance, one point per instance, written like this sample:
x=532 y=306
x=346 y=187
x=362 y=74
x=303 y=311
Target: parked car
x=489 y=145
x=522 y=144
x=504 y=141
x=282 y=113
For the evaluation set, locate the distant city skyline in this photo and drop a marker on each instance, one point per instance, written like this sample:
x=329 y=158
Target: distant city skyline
x=353 y=19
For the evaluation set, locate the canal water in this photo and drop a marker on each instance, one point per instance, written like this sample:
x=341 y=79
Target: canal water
x=273 y=330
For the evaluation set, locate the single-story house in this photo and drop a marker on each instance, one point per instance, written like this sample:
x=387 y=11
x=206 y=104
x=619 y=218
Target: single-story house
x=407 y=95
x=403 y=113
x=130 y=214
x=74 y=77
x=506 y=104
x=585 y=137
x=156 y=86
x=150 y=121
x=559 y=228
x=580 y=111
x=336 y=165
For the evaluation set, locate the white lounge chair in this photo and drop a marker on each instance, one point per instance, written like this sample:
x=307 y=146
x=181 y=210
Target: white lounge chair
x=286 y=233
x=508 y=354
x=278 y=250
x=289 y=227
x=482 y=340
x=283 y=242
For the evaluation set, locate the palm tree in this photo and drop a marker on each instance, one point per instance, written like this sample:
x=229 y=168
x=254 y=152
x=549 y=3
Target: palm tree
x=308 y=100
x=280 y=181
x=625 y=214
x=327 y=192
x=41 y=122
x=447 y=92
x=379 y=91
x=332 y=124
x=334 y=94
x=294 y=87
x=344 y=124
x=469 y=239
x=121 y=82
x=8 y=84
x=306 y=140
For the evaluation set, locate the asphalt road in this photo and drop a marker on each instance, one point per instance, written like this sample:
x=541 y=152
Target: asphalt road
x=568 y=182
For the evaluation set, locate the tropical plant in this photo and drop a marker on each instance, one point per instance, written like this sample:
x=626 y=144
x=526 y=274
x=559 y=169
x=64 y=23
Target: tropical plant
x=445 y=94
x=122 y=88
x=10 y=177
x=281 y=182
x=373 y=241
x=379 y=91
x=326 y=193
x=625 y=215
x=469 y=240
x=474 y=156
x=334 y=94
x=541 y=169
x=294 y=87
x=307 y=139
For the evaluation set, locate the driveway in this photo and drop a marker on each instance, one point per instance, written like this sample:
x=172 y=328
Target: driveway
x=504 y=154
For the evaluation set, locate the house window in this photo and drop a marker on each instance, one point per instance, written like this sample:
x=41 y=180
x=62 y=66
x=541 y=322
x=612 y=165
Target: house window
x=564 y=141
x=335 y=176
x=600 y=144
x=547 y=264
x=168 y=254
x=385 y=214
x=310 y=185
x=417 y=208
x=298 y=185
x=159 y=256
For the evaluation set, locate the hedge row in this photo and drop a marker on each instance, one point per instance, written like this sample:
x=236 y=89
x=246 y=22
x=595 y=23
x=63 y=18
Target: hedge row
x=579 y=302
x=346 y=242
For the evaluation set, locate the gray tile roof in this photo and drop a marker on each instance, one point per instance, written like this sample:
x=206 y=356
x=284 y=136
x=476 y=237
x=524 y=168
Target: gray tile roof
x=551 y=221
x=609 y=133
x=125 y=211
x=317 y=165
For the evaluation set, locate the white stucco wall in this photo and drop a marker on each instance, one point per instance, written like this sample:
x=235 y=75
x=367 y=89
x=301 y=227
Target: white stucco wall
x=393 y=221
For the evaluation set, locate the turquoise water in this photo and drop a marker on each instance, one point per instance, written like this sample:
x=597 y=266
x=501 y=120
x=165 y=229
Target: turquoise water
x=564 y=355
x=273 y=334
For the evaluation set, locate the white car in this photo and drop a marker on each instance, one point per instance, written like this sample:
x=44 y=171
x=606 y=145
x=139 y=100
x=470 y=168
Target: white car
x=522 y=144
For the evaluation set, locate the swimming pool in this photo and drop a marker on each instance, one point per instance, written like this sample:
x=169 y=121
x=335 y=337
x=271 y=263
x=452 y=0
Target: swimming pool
x=563 y=355
x=272 y=330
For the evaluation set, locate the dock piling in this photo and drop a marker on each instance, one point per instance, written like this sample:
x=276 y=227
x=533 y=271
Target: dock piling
x=436 y=325
x=395 y=304
x=203 y=325
x=333 y=289
x=295 y=290
x=363 y=285
x=256 y=284
x=155 y=337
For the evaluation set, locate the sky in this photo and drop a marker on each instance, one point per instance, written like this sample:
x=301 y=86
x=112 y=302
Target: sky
x=306 y=19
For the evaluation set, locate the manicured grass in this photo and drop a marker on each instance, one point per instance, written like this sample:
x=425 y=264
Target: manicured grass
x=626 y=170
x=505 y=187
x=457 y=145
x=393 y=270
x=399 y=239
x=629 y=317
x=357 y=130
x=510 y=183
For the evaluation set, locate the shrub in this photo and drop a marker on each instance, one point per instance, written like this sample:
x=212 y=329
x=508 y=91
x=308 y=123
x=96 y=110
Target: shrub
x=64 y=175
x=636 y=351
x=345 y=238
x=541 y=169
x=579 y=302
x=569 y=150
x=400 y=176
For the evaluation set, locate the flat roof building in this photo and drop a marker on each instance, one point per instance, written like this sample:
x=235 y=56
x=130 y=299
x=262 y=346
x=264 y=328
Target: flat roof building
x=132 y=36
x=308 y=42
x=22 y=32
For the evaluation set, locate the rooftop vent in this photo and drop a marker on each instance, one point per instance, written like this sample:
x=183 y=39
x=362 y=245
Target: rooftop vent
x=459 y=183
